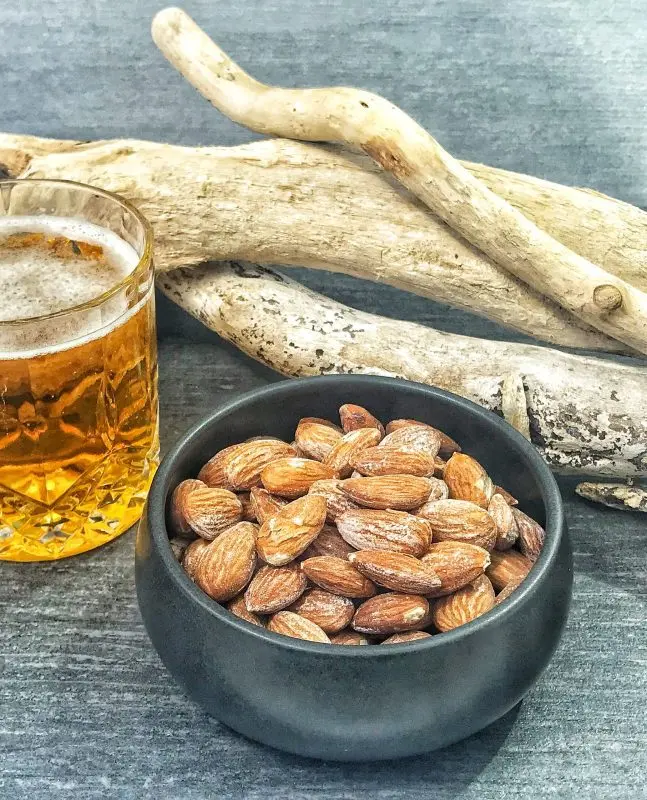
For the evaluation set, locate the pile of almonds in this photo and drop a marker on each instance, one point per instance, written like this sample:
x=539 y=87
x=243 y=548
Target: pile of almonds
x=352 y=534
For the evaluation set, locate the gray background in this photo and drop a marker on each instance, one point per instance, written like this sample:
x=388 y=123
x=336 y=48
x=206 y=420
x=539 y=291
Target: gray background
x=552 y=87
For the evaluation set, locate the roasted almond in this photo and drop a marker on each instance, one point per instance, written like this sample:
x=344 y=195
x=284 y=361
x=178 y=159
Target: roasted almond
x=510 y=499
x=409 y=636
x=456 y=564
x=439 y=491
x=331 y=612
x=243 y=466
x=213 y=472
x=349 y=637
x=507 y=590
x=531 y=535
x=192 y=555
x=337 y=575
x=400 y=492
x=354 y=418
x=467 y=480
x=464 y=605
x=337 y=502
x=290 y=624
x=396 y=571
x=340 y=456
x=227 y=564
x=447 y=444
x=390 y=613
x=286 y=535
x=367 y=529
x=292 y=477
x=275 y=588
x=415 y=438
x=390 y=461
x=461 y=521
x=177 y=521
x=507 y=567
x=329 y=543
x=506 y=526
x=264 y=504
x=209 y=511
x=237 y=606
x=315 y=440
x=321 y=421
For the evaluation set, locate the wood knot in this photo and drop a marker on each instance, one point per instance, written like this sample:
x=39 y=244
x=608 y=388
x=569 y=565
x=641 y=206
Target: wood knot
x=607 y=297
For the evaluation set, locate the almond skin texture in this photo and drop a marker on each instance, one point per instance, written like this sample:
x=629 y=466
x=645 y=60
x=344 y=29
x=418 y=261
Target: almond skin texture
x=367 y=529
x=285 y=536
x=447 y=444
x=456 y=564
x=507 y=591
x=461 y=521
x=464 y=605
x=403 y=638
x=249 y=515
x=531 y=535
x=264 y=504
x=274 y=588
x=390 y=461
x=354 y=418
x=396 y=571
x=439 y=491
x=390 y=613
x=349 y=637
x=467 y=480
x=331 y=612
x=351 y=443
x=244 y=465
x=292 y=477
x=329 y=543
x=506 y=525
x=290 y=624
x=400 y=492
x=177 y=521
x=337 y=502
x=315 y=440
x=213 y=472
x=210 y=511
x=416 y=438
x=507 y=568
x=510 y=499
x=238 y=608
x=337 y=575
x=321 y=421
x=228 y=563
x=192 y=555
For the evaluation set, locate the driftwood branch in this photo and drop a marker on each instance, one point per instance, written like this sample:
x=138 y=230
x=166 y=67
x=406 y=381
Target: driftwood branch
x=586 y=415
x=321 y=206
x=615 y=495
x=416 y=159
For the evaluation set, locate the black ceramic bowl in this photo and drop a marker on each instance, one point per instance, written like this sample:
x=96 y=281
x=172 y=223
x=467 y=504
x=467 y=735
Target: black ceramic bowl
x=355 y=703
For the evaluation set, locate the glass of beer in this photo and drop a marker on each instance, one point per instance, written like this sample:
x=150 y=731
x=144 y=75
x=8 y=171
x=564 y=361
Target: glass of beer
x=78 y=368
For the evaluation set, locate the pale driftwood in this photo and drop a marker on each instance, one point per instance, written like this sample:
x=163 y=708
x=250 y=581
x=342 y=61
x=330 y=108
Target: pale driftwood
x=586 y=415
x=286 y=202
x=416 y=159
x=615 y=495
x=514 y=405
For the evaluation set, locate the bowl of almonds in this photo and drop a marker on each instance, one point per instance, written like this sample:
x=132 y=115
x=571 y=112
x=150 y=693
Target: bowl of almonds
x=354 y=567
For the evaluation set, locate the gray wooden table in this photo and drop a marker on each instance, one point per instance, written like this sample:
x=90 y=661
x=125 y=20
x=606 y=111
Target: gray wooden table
x=555 y=88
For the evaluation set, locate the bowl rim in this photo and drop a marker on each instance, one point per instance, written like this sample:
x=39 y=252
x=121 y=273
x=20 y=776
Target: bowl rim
x=551 y=497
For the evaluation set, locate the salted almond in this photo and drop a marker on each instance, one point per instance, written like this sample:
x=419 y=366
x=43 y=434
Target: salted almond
x=400 y=492
x=355 y=418
x=213 y=472
x=506 y=525
x=290 y=624
x=464 y=605
x=337 y=501
x=340 y=456
x=192 y=555
x=244 y=465
x=209 y=511
x=439 y=491
x=415 y=438
x=409 y=636
x=329 y=543
x=531 y=535
x=507 y=567
x=507 y=590
x=177 y=521
x=321 y=421
x=390 y=461
x=461 y=521
x=274 y=588
x=368 y=529
x=396 y=571
x=315 y=440
x=349 y=637
x=293 y=477
x=390 y=613
x=286 y=535
x=331 y=612
x=228 y=563
x=447 y=444
x=264 y=504
x=510 y=499
x=456 y=564
x=467 y=480
x=238 y=608
x=337 y=575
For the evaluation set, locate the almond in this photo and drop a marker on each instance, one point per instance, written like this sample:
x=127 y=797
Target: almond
x=349 y=637
x=179 y=544
x=238 y=608
x=390 y=461
x=329 y=543
x=275 y=588
x=461 y=521
x=321 y=421
x=292 y=477
x=467 y=480
x=264 y=504
x=507 y=590
x=415 y=438
x=315 y=440
x=192 y=555
x=409 y=636
x=354 y=418
x=531 y=535
x=329 y=611
x=177 y=521
x=391 y=613
x=396 y=571
x=510 y=499
x=388 y=491
x=351 y=443
x=447 y=444
x=209 y=511
x=249 y=513
x=285 y=536
x=439 y=491
x=337 y=575
x=213 y=472
x=456 y=564
x=507 y=567
x=243 y=466
x=227 y=564
x=290 y=624
x=385 y=530
x=506 y=526
x=337 y=502
x=463 y=605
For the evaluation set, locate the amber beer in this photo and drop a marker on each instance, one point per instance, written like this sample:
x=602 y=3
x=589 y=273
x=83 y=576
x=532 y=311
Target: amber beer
x=78 y=368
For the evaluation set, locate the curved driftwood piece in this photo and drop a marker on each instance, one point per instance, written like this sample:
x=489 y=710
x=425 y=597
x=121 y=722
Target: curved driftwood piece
x=415 y=158
x=586 y=415
x=615 y=495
